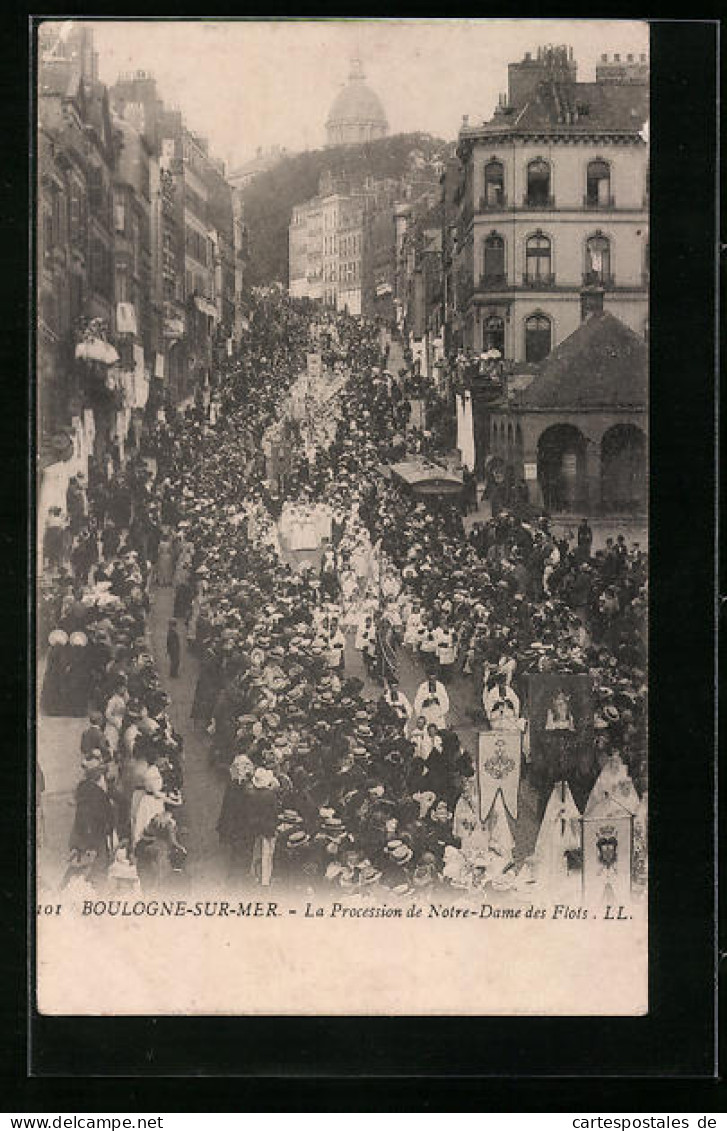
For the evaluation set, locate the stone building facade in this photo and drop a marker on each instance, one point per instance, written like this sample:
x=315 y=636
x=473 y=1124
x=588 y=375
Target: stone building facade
x=552 y=209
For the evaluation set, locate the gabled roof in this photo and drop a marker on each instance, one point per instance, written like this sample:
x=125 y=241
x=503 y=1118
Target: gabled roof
x=603 y=364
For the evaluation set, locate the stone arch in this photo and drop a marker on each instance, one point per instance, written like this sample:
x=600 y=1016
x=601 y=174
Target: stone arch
x=562 y=468
x=624 y=470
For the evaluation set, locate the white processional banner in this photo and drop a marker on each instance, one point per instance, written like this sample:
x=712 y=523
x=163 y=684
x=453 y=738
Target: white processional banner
x=465 y=430
x=498 y=770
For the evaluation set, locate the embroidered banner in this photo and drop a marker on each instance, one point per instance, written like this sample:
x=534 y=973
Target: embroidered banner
x=498 y=768
x=560 y=713
x=607 y=851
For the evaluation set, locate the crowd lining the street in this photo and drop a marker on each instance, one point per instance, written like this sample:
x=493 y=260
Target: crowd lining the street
x=331 y=787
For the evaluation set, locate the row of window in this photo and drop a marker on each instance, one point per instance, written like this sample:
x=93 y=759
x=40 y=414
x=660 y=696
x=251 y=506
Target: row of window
x=537 y=330
x=194 y=203
x=538 y=336
x=196 y=245
x=66 y=218
x=538 y=184
x=539 y=260
x=198 y=284
x=348 y=272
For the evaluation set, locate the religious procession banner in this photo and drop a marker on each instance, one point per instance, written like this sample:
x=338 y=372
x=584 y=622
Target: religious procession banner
x=607 y=852
x=561 y=731
x=498 y=770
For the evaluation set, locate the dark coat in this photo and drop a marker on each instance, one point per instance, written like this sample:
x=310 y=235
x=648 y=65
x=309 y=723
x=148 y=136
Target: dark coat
x=94 y=821
x=233 y=824
x=174 y=647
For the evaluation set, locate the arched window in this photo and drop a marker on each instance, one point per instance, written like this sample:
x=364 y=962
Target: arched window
x=537 y=337
x=493 y=334
x=598 y=184
x=538 y=190
x=598 y=260
x=494 y=184
x=538 y=260
x=493 y=259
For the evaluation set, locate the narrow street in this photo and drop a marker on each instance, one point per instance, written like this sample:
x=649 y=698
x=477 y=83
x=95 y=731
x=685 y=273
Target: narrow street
x=204 y=782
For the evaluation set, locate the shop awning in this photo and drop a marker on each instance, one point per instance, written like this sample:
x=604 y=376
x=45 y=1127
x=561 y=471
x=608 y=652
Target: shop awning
x=96 y=349
x=173 y=328
x=427 y=478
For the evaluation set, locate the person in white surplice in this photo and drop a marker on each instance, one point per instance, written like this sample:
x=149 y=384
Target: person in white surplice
x=432 y=701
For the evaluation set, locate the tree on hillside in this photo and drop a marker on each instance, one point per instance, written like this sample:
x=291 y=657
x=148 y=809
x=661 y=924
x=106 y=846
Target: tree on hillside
x=270 y=198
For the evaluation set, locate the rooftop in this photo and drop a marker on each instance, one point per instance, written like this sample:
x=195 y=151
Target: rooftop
x=603 y=364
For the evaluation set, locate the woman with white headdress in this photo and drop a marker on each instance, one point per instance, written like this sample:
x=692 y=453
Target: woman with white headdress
x=146 y=802
x=53 y=694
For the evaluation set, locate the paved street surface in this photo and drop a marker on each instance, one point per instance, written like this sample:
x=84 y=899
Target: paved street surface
x=58 y=744
x=204 y=782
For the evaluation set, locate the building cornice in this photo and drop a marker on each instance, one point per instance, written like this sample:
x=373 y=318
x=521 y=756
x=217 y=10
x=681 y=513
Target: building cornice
x=472 y=136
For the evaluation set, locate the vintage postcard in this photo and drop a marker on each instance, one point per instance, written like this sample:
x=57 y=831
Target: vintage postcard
x=342 y=371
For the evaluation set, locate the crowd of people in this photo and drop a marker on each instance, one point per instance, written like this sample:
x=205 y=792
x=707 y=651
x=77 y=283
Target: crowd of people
x=336 y=779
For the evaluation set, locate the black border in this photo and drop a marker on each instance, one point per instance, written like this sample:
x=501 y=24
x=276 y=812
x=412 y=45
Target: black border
x=676 y=1039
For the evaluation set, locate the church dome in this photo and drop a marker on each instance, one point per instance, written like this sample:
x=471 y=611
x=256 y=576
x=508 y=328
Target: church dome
x=356 y=114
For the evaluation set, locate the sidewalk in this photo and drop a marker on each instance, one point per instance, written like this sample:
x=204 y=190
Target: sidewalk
x=58 y=756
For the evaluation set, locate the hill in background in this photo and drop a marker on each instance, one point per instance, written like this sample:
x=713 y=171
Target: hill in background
x=270 y=198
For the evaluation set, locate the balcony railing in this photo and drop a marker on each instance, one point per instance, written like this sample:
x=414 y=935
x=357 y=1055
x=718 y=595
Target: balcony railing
x=539 y=282
x=492 y=282
x=498 y=205
x=530 y=201
x=597 y=279
x=594 y=202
